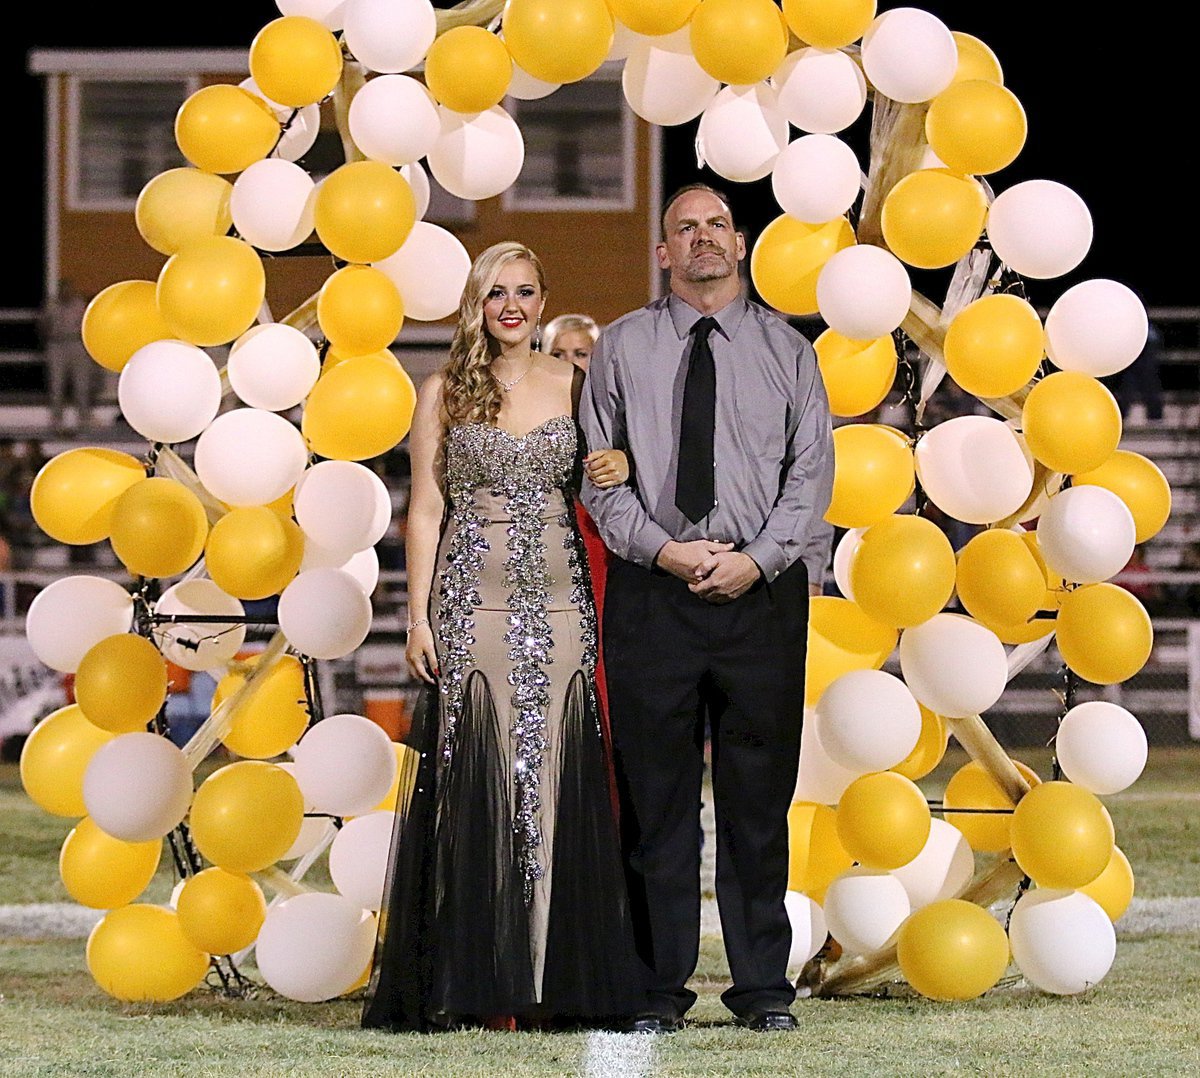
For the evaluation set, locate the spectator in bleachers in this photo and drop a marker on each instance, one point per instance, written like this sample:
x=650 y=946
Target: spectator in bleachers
x=1141 y=382
x=69 y=368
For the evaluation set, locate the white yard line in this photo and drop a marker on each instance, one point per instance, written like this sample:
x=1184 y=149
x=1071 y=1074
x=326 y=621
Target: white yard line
x=617 y=1055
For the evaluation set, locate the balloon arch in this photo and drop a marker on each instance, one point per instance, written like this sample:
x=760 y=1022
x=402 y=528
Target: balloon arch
x=897 y=889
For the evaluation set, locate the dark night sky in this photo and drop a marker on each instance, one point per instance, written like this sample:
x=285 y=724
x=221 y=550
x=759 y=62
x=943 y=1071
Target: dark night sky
x=1106 y=117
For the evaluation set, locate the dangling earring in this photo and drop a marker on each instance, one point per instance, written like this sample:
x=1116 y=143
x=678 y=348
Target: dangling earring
x=537 y=336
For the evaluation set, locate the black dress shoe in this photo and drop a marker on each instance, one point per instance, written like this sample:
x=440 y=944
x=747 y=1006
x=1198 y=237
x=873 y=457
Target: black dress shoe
x=768 y=1021
x=654 y=1023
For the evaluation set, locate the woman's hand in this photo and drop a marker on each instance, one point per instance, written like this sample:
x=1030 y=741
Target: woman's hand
x=606 y=467
x=420 y=653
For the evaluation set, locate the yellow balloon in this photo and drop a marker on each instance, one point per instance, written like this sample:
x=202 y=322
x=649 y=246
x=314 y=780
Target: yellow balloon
x=883 y=820
x=873 y=475
x=1113 y=888
x=903 y=571
x=211 y=291
x=994 y=345
x=121 y=683
x=55 y=757
x=738 y=41
x=140 y=953
x=841 y=638
x=254 y=552
x=221 y=912
x=816 y=854
x=364 y=211
x=558 y=40
x=283 y=505
x=931 y=744
x=360 y=310
x=224 y=128
x=976 y=60
x=182 y=205
x=999 y=578
x=1104 y=633
x=1071 y=422
x=1062 y=836
x=361 y=408
x=158 y=528
x=952 y=950
x=653 y=17
x=468 y=69
x=830 y=24
x=977 y=127
x=933 y=217
x=73 y=495
x=363 y=978
x=789 y=256
x=121 y=319
x=971 y=787
x=857 y=374
x=295 y=61
x=246 y=815
x=271 y=717
x=103 y=872
x=1139 y=483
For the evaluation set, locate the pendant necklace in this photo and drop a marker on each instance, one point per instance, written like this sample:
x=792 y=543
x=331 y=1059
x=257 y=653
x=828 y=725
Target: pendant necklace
x=509 y=386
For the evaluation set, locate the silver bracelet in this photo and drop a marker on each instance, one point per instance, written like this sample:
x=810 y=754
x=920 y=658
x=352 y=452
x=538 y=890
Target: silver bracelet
x=417 y=624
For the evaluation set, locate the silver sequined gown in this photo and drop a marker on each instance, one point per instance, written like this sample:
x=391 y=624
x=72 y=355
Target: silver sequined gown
x=506 y=870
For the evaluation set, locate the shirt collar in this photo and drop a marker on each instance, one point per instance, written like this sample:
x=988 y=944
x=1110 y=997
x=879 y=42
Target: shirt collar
x=728 y=318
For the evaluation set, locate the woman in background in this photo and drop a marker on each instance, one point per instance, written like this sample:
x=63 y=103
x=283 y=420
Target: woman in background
x=571 y=337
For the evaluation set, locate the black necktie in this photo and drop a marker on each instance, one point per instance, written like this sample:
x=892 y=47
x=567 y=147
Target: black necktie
x=694 y=493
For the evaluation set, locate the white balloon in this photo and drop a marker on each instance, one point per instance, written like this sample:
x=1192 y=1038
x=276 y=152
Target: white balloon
x=68 y=617
x=313 y=831
x=389 y=35
x=314 y=947
x=250 y=457
x=864 y=292
x=272 y=205
x=324 y=614
x=1062 y=941
x=953 y=665
x=1040 y=228
x=867 y=720
x=273 y=366
x=1086 y=534
x=842 y=556
x=197 y=645
x=342 y=506
x=169 y=391
x=909 y=55
x=943 y=869
x=816 y=178
x=1101 y=747
x=477 y=156
x=864 y=909
x=430 y=270
x=363 y=566
x=808 y=930
x=974 y=469
x=328 y=12
x=820 y=90
x=524 y=87
x=624 y=41
x=742 y=132
x=137 y=787
x=662 y=81
x=1098 y=327
x=418 y=180
x=345 y=765
x=358 y=858
x=394 y=119
x=303 y=124
x=819 y=779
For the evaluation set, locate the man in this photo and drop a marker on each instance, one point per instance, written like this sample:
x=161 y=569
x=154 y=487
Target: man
x=720 y=407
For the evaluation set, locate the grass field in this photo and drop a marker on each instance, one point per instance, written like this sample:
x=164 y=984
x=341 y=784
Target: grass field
x=1140 y=1021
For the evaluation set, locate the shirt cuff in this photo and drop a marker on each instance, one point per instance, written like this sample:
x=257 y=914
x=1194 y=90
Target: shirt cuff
x=767 y=555
x=646 y=543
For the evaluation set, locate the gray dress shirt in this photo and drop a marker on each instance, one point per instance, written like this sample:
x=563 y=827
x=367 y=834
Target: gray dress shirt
x=773 y=445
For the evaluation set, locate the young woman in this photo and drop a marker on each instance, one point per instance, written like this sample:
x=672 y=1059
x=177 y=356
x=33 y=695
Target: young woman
x=571 y=337
x=506 y=897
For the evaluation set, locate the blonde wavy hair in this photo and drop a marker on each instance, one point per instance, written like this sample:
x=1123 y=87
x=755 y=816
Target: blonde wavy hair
x=568 y=323
x=470 y=393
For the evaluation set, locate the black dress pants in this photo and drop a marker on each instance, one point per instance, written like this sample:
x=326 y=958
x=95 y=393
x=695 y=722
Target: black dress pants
x=671 y=659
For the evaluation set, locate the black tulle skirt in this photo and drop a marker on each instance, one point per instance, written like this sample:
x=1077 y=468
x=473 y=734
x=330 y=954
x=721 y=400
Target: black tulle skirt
x=454 y=944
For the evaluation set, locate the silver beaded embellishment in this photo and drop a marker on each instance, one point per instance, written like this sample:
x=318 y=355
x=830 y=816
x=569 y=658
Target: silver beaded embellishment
x=581 y=597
